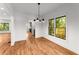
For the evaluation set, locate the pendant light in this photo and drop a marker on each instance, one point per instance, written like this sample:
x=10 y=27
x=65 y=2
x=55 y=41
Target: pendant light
x=38 y=17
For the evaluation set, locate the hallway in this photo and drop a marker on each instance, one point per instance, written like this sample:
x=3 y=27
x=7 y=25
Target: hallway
x=34 y=46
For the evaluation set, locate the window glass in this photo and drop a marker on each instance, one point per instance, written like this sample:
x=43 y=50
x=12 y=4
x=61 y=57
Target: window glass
x=61 y=27
x=4 y=26
x=51 y=26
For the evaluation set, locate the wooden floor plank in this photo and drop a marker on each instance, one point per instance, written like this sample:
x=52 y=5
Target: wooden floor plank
x=34 y=46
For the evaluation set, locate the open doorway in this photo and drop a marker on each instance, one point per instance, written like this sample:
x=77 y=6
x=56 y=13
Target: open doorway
x=32 y=29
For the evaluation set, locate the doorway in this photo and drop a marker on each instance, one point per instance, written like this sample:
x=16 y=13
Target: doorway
x=32 y=29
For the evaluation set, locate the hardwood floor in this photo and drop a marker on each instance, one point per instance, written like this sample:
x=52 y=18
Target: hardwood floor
x=34 y=46
x=5 y=38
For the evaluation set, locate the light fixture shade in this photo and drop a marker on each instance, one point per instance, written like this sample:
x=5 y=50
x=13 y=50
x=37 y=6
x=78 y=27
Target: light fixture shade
x=42 y=19
x=34 y=20
x=38 y=18
x=38 y=3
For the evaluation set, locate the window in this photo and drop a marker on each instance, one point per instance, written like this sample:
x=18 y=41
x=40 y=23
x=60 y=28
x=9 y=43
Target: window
x=61 y=27
x=4 y=26
x=57 y=27
x=51 y=26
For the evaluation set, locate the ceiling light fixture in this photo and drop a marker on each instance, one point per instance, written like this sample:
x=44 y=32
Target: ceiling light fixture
x=38 y=17
x=2 y=8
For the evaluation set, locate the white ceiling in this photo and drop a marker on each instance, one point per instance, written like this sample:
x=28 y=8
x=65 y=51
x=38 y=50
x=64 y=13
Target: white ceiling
x=31 y=8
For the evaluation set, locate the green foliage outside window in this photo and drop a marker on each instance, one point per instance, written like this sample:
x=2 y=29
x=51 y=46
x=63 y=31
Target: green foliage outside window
x=51 y=26
x=59 y=29
x=4 y=26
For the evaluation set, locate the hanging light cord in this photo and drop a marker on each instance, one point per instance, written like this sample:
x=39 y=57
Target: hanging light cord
x=38 y=10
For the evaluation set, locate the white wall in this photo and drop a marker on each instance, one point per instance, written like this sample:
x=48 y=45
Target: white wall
x=21 y=21
x=19 y=26
x=38 y=29
x=72 y=29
